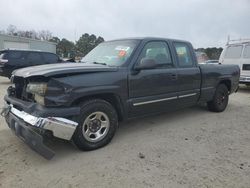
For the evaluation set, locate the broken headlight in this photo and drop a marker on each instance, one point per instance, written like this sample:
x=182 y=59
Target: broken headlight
x=38 y=90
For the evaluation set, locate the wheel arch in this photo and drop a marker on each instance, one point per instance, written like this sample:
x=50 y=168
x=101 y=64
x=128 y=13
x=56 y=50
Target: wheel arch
x=227 y=83
x=112 y=98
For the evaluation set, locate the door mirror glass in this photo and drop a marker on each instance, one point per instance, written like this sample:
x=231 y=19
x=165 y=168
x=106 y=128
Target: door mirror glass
x=146 y=63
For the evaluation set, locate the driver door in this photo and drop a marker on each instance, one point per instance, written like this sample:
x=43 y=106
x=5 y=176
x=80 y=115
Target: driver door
x=153 y=90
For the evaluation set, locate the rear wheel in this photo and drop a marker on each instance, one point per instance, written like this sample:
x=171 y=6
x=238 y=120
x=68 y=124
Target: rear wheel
x=97 y=125
x=220 y=99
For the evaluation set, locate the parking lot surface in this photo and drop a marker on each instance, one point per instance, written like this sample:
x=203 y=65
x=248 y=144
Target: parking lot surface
x=188 y=148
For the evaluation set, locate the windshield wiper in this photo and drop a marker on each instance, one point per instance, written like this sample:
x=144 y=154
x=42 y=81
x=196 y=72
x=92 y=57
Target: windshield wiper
x=99 y=63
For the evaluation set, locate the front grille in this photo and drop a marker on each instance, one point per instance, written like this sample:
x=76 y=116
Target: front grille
x=246 y=67
x=20 y=89
x=20 y=85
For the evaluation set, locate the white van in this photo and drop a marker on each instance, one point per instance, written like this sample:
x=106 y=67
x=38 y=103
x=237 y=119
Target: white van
x=238 y=53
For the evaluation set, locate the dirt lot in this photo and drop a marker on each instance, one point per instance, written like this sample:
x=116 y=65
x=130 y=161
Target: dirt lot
x=187 y=148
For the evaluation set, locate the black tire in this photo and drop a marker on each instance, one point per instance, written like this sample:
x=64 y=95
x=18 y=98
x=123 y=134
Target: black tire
x=87 y=108
x=220 y=99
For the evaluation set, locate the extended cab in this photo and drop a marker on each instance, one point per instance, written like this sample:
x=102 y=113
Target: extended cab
x=116 y=81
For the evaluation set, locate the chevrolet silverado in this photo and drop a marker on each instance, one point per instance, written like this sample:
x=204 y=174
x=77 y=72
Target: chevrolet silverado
x=117 y=80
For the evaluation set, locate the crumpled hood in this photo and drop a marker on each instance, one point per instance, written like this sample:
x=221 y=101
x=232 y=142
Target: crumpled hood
x=61 y=68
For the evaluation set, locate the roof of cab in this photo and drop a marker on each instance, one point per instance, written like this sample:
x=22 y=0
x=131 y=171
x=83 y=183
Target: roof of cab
x=148 y=38
x=23 y=50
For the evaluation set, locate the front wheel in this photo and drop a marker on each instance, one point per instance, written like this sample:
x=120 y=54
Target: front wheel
x=97 y=125
x=220 y=99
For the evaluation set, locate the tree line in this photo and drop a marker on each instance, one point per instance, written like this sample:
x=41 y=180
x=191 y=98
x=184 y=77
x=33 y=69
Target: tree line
x=39 y=35
x=212 y=53
x=65 y=47
x=81 y=47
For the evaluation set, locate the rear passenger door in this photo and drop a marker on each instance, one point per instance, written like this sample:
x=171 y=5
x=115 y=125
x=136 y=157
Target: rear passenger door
x=34 y=58
x=189 y=76
x=50 y=58
x=16 y=60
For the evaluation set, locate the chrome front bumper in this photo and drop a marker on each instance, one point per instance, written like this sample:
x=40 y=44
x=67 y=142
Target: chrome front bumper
x=60 y=127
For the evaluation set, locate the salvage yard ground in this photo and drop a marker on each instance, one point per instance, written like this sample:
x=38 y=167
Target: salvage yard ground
x=188 y=148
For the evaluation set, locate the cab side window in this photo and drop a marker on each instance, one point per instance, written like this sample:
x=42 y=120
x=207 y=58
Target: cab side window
x=50 y=58
x=34 y=58
x=15 y=55
x=183 y=54
x=159 y=52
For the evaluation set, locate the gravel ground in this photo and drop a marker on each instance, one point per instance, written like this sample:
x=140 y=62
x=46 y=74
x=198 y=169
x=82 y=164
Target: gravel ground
x=188 y=148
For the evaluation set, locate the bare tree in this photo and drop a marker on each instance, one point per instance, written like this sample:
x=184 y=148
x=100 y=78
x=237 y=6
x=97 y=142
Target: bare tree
x=12 y=30
x=21 y=33
x=45 y=35
x=33 y=34
x=40 y=35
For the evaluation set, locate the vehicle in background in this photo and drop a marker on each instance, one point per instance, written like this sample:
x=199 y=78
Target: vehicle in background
x=11 y=60
x=210 y=61
x=238 y=52
x=69 y=60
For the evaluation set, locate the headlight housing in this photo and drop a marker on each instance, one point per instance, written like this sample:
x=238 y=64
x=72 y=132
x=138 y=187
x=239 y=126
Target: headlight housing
x=38 y=90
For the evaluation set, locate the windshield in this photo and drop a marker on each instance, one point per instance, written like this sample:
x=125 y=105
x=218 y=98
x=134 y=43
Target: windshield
x=113 y=53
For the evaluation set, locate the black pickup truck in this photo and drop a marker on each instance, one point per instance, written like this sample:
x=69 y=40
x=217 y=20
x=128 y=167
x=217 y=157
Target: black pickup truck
x=116 y=81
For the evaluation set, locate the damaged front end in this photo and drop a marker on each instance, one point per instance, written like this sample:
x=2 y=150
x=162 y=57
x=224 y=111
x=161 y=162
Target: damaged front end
x=28 y=115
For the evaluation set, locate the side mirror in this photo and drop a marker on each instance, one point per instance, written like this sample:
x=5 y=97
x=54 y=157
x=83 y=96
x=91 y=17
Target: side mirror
x=146 y=63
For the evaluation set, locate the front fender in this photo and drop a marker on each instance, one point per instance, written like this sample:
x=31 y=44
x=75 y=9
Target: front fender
x=93 y=91
x=63 y=94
